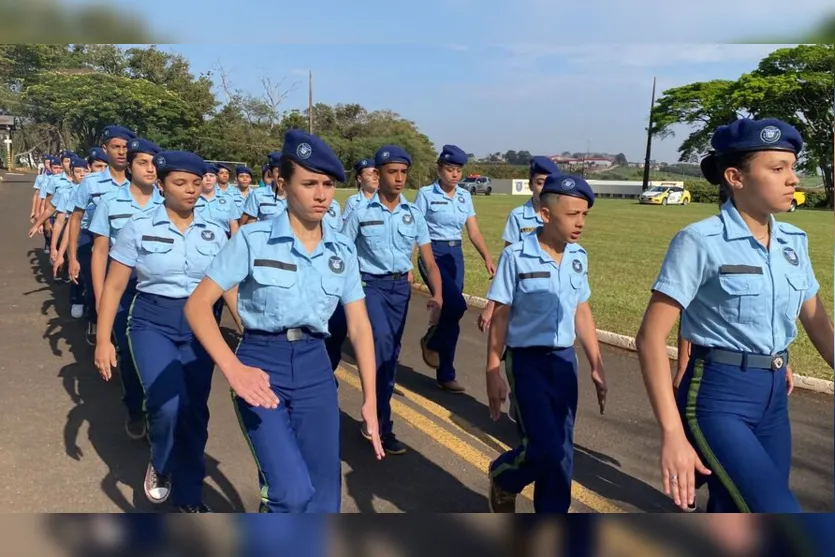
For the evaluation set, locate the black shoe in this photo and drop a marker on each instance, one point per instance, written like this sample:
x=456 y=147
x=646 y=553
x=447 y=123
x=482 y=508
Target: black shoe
x=136 y=427
x=391 y=445
x=201 y=508
x=501 y=501
x=91 y=333
x=157 y=486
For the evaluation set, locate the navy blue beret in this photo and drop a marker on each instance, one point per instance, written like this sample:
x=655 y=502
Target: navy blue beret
x=274 y=159
x=77 y=162
x=182 y=161
x=222 y=166
x=747 y=135
x=141 y=145
x=573 y=186
x=452 y=154
x=543 y=165
x=211 y=168
x=363 y=164
x=391 y=153
x=53 y=159
x=243 y=170
x=117 y=132
x=97 y=154
x=67 y=154
x=264 y=169
x=312 y=153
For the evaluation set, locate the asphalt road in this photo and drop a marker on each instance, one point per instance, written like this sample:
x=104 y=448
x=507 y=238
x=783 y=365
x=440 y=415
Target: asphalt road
x=63 y=446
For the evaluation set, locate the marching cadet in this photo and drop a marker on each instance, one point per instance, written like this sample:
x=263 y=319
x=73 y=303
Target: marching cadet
x=48 y=162
x=208 y=196
x=448 y=209
x=217 y=203
x=97 y=159
x=87 y=196
x=60 y=238
x=46 y=209
x=292 y=272
x=368 y=180
x=266 y=177
x=243 y=179
x=541 y=292
x=224 y=172
x=170 y=247
x=112 y=214
x=740 y=280
x=386 y=229
x=265 y=203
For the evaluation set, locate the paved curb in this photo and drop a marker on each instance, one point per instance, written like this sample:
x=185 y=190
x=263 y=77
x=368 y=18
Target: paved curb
x=628 y=343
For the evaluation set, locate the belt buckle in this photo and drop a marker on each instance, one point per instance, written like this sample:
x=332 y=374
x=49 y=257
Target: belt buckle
x=294 y=334
x=777 y=362
x=396 y=276
x=451 y=243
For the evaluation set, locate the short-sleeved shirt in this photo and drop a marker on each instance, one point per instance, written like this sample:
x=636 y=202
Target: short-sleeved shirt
x=333 y=218
x=90 y=191
x=446 y=216
x=385 y=239
x=520 y=222
x=168 y=262
x=264 y=204
x=220 y=208
x=282 y=286
x=116 y=208
x=543 y=296
x=737 y=294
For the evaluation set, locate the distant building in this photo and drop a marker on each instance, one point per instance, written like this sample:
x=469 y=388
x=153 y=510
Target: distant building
x=595 y=162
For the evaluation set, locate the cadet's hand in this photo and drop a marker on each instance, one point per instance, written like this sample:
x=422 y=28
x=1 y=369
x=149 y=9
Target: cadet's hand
x=679 y=464
x=73 y=271
x=789 y=379
x=485 y=317
x=57 y=264
x=434 y=306
x=411 y=277
x=369 y=416
x=105 y=359
x=599 y=379
x=35 y=230
x=491 y=268
x=252 y=385
x=496 y=393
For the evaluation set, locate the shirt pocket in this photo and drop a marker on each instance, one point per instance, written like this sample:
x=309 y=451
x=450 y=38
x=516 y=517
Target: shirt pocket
x=534 y=293
x=578 y=286
x=798 y=286
x=406 y=235
x=157 y=255
x=204 y=254
x=332 y=288
x=373 y=232
x=741 y=300
x=274 y=290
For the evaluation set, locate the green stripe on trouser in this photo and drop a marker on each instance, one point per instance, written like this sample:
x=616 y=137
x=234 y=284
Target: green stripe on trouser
x=711 y=461
x=138 y=374
x=520 y=458
x=265 y=486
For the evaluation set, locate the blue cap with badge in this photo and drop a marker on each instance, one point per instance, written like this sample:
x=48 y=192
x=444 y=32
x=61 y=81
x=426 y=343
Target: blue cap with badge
x=97 y=154
x=573 y=186
x=77 y=162
x=312 y=153
x=179 y=161
x=243 y=170
x=746 y=136
x=363 y=164
x=543 y=165
x=274 y=159
x=116 y=132
x=453 y=154
x=141 y=145
x=67 y=154
x=388 y=154
x=211 y=168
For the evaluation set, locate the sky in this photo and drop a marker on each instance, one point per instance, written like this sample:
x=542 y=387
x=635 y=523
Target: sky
x=487 y=75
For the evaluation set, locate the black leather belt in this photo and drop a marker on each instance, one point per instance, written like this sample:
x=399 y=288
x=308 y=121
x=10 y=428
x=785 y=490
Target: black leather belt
x=387 y=276
x=741 y=359
x=450 y=243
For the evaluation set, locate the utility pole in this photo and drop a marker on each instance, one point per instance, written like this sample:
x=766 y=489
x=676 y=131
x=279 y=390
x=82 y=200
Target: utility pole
x=649 y=140
x=310 y=102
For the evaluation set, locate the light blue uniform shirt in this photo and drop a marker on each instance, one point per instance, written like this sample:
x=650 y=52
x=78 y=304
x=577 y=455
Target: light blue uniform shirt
x=63 y=199
x=239 y=199
x=736 y=294
x=445 y=216
x=116 y=208
x=90 y=191
x=40 y=181
x=521 y=221
x=55 y=183
x=264 y=204
x=384 y=238
x=333 y=218
x=220 y=208
x=167 y=262
x=543 y=296
x=281 y=285
x=351 y=204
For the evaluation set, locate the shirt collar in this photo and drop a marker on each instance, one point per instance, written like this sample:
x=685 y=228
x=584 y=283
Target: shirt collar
x=528 y=210
x=161 y=217
x=281 y=230
x=531 y=247
x=735 y=227
x=401 y=201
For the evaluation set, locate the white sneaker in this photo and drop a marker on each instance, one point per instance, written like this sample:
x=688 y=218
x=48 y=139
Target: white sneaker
x=77 y=311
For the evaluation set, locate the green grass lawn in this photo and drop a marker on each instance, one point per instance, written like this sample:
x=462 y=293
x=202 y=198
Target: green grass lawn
x=626 y=243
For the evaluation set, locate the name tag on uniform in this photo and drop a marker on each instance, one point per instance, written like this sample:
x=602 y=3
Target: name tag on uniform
x=535 y=275
x=268 y=204
x=439 y=202
x=371 y=223
x=275 y=264
x=528 y=229
x=740 y=270
x=123 y=216
x=159 y=239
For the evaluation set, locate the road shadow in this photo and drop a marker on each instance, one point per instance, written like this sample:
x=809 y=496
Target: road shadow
x=98 y=404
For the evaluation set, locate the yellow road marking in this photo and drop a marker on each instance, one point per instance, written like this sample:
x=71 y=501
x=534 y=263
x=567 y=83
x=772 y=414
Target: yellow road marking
x=455 y=444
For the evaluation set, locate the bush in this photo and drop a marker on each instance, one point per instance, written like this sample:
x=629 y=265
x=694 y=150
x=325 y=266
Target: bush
x=815 y=199
x=702 y=191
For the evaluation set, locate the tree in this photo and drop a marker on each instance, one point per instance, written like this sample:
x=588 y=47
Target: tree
x=792 y=84
x=620 y=160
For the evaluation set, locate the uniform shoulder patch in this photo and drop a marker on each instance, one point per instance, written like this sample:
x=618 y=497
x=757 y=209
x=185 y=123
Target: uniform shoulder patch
x=787 y=228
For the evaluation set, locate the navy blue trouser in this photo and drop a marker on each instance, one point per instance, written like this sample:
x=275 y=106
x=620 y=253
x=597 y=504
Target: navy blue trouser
x=338 y=329
x=134 y=396
x=295 y=446
x=543 y=382
x=387 y=301
x=738 y=421
x=84 y=253
x=444 y=338
x=296 y=536
x=176 y=374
